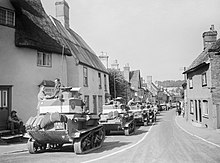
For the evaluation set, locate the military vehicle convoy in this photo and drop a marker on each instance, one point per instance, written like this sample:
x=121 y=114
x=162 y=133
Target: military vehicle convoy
x=116 y=117
x=62 y=120
x=140 y=115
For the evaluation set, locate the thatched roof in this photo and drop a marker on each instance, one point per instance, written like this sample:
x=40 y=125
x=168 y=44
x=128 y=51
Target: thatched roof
x=34 y=29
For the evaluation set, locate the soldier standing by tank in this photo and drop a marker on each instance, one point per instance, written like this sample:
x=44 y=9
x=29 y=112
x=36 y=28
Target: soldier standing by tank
x=41 y=95
x=56 y=88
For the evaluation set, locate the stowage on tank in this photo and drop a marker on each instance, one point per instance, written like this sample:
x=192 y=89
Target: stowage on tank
x=61 y=121
x=116 y=117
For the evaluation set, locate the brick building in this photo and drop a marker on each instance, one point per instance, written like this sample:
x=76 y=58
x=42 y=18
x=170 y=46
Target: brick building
x=203 y=84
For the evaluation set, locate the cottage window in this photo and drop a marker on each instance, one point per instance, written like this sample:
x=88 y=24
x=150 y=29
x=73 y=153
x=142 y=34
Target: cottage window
x=105 y=82
x=191 y=107
x=86 y=99
x=85 y=76
x=100 y=103
x=7 y=17
x=94 y=104
x=204 y=79
x=205 y=107
x=100 y=80
x=190 y=83
x=44 y=59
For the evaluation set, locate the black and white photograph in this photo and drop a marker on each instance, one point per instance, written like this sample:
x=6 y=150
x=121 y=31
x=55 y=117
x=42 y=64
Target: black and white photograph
x=103 y=81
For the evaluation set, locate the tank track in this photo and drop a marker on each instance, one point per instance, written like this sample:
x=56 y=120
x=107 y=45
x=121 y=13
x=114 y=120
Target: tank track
x=89 y=141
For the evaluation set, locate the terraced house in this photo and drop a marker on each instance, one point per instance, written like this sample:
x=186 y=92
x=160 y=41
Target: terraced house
x=203 y=84
x=35 y=49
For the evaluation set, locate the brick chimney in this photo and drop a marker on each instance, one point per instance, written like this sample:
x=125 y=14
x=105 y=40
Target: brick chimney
x=209 y=37
x=126 y=72
x=62 y=12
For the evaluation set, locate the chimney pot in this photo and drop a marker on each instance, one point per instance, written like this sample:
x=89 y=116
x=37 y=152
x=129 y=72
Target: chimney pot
x=62 y=12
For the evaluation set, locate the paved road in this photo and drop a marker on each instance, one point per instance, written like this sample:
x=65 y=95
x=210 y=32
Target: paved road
x=163 y=142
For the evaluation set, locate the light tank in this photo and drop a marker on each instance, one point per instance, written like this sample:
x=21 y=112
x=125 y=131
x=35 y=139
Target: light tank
x=140 y=115
x=64 y=121
x=116 y=117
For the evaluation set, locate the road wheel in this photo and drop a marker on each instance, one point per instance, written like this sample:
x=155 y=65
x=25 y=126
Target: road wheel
x=32 y=146
x=126 y=131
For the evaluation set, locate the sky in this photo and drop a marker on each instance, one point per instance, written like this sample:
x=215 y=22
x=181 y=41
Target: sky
x=157 y=37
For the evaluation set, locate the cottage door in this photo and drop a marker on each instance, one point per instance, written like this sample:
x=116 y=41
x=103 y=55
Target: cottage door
x=5 y=103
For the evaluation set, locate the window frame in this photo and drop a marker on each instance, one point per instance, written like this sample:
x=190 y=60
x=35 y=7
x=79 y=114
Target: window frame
x=100 y=80
x=5 y=19
x=105 y=82
x=100 y=103
x=190 y=83
x=86 y=100
x=44 y=59
x=85 y=76
x=204 y=79
x=191 y=106
x=205 y=108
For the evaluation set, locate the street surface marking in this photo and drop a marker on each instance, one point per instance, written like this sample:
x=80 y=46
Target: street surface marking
x=196 y=135
x=122 y=150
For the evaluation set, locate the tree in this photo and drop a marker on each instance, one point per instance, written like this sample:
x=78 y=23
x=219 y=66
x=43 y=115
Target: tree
x=119 y=87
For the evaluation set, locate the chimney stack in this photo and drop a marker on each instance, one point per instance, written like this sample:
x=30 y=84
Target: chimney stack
x=209 y=37
x=104 y=59
x=62 y=12
x=126 y=72
x=115 y=65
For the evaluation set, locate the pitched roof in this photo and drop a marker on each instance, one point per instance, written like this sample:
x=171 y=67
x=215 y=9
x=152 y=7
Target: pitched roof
x=199 y=61
x=79 y=48
x=34 y=29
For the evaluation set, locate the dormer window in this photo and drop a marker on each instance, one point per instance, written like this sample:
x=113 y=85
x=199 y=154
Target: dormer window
x=7 y=17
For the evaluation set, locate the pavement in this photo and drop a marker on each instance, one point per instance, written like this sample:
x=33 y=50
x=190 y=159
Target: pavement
x=14 y=146
x=204 y=134
x=208 y=135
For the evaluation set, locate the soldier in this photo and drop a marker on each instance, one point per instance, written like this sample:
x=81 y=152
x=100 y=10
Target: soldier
x=41 y=95
x=15 y=122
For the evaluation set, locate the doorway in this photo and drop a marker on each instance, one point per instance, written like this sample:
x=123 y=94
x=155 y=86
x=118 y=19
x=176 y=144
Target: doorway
x=5 y=105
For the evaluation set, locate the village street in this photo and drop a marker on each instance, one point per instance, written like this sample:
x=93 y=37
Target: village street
x=162 y=142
